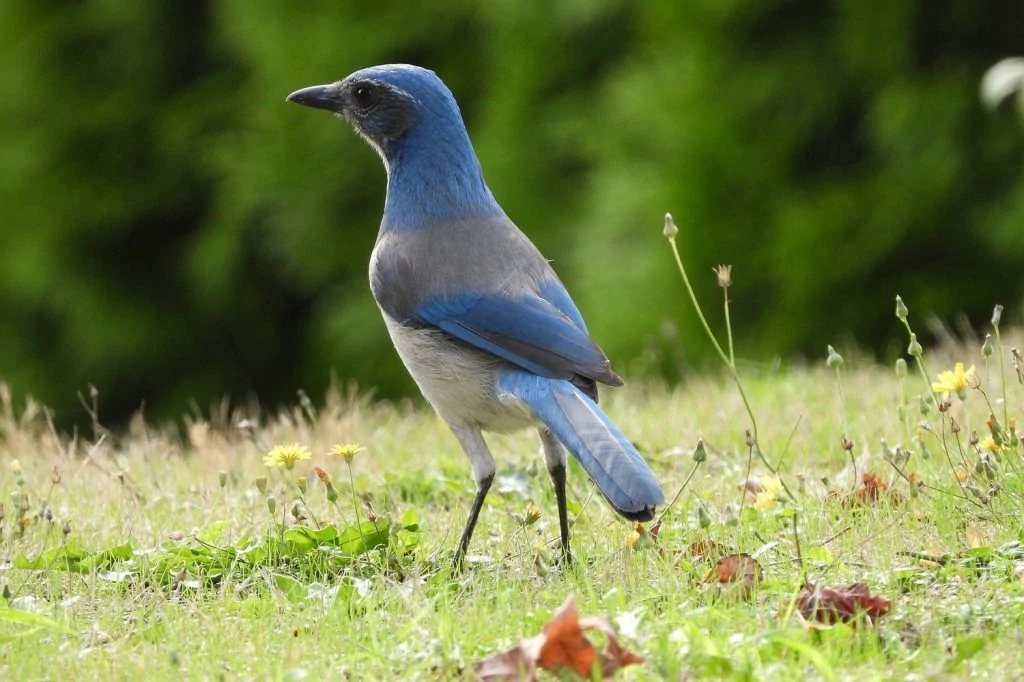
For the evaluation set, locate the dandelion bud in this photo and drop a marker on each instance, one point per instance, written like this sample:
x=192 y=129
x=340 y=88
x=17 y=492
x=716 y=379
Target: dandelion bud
x=834 y=358
x=699 y=453
x=703 y=518
x=954 y=426
x=922 y=405
x=944 y=406
x=977 y=492
x=66 y=529
x=302 y=483
x=332 y=492
x=987 y=349
x=914 y=349
x=670 y=230
x=322 y=474
x=901 y=309
x=55 y=475
x=887 y=453
x=997 y=315
x=973 y=440
x=749 y=440
x=901 y=413
x=847 y=443
x=48 y=514
x=261 y=484
x=296 y=512
x=901 y=368
x=222 y=478
x=272 y=504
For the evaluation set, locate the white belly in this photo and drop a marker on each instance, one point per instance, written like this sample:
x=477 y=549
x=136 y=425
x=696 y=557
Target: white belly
x=457 y=380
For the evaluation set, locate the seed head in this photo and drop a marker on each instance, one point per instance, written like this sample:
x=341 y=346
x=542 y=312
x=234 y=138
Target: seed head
x=724 y=275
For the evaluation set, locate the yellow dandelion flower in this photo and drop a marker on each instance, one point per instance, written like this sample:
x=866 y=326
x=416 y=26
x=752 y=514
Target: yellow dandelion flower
x=772 y=484
x=765 y=500
x=956 y=381
x=632 y=538
x=988 y=443
x=347 y=450
x=533 y=514
x=286 y=455
x=15 y=466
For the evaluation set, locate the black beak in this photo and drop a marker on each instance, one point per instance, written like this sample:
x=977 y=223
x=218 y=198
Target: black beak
x=317 y=97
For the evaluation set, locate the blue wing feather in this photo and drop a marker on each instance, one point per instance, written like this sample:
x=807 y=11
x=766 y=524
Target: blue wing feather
x=526 y=330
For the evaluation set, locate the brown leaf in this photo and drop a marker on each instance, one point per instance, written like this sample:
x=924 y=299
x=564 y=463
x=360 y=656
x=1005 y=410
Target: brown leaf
x=704 y=548
x=841 y=604
x=562 y=644
x=515 y=665
x=872 y=490
x=736 y=568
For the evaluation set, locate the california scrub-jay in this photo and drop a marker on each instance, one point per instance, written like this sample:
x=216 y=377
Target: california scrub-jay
x=478 y=316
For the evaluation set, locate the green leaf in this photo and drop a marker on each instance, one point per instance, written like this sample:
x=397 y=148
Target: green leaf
x=808 y=652
x=361 y=538
x=819 y=554
x=411 y=520
x=34 y=621
x=212 y=533
x=966 y=647
x=292 y=589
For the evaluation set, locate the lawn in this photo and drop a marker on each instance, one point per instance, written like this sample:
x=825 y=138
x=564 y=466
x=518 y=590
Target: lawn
x=153 y=552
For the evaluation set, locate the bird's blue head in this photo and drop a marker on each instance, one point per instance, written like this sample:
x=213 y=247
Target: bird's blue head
x=410 y=117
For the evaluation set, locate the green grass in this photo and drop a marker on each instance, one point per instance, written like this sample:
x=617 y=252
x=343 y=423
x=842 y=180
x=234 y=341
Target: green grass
x=185 y=605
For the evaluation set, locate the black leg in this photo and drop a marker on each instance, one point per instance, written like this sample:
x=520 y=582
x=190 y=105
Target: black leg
x=478 y=502
x=558 y=478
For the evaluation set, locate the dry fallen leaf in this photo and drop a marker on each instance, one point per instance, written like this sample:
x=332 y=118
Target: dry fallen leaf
x=742 y=569
x=872 y=490
x=704 y=548
x=561 y=645
x=841 y=604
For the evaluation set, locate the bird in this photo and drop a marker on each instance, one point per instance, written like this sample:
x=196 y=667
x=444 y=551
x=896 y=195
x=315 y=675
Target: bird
x=478 y=316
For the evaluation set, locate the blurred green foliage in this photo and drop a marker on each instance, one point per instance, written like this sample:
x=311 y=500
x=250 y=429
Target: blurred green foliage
x=172 y=230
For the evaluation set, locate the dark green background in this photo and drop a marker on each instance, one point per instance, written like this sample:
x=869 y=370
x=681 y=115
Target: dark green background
x=171 y=229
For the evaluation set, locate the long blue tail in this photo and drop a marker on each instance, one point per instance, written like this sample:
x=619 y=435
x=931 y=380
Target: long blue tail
x=619 y=471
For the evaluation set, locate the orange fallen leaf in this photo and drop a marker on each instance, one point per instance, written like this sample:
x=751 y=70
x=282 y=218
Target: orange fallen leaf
x=707 y=549
x=831 y=605
x=872 y=490
x=561 y=645
x=742 y=569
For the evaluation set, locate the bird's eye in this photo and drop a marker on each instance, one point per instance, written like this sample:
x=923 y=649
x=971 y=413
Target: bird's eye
x=365 y=96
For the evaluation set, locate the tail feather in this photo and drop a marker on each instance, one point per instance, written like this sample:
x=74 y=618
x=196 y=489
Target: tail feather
x=607 y=456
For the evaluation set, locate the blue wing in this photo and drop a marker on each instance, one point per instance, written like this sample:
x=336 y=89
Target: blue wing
x=527 y=330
